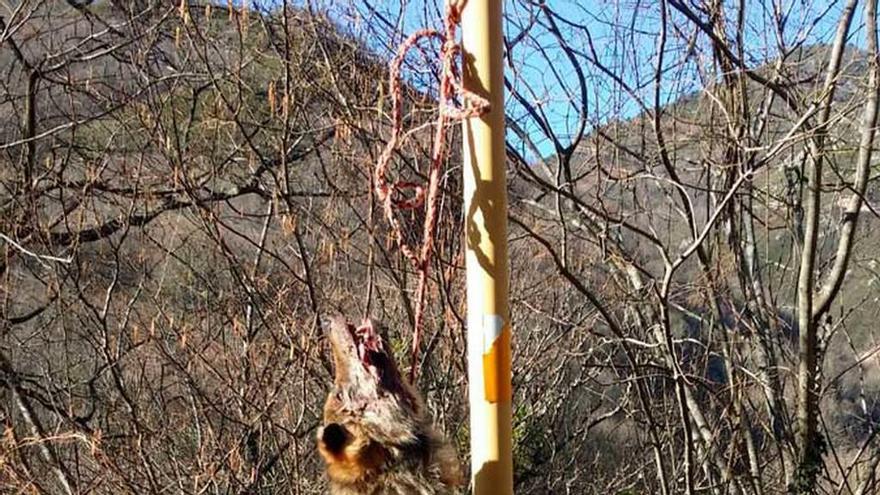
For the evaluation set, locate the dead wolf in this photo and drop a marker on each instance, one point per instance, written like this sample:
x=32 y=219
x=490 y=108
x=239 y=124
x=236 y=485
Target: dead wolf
x=376 y=438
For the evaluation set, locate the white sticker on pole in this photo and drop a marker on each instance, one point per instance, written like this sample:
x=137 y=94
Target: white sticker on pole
x=492 y=326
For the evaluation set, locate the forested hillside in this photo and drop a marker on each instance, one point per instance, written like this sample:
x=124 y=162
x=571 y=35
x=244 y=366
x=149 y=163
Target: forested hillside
x=186 y=193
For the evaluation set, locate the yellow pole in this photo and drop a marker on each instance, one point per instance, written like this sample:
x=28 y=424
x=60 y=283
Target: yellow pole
x=485 y=200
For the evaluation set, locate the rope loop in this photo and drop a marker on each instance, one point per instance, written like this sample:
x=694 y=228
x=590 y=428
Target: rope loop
x=391 y=194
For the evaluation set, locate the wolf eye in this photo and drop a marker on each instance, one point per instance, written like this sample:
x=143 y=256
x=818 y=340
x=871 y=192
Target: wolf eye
x=334 y=437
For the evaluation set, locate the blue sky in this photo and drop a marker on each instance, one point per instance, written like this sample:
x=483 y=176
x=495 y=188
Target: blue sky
x=619 y=35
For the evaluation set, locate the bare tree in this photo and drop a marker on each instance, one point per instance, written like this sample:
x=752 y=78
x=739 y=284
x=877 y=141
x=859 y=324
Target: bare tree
x=186 y=191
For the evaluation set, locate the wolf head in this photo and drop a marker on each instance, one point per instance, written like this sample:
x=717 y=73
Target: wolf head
x=375 y=429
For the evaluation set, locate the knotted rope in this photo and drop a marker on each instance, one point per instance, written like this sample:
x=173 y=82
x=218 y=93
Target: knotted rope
x=391 y=193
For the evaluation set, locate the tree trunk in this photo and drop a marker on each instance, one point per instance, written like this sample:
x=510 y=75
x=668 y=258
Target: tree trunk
x=809 y=444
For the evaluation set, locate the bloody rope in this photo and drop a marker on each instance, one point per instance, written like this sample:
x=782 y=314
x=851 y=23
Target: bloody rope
x=427 y=195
